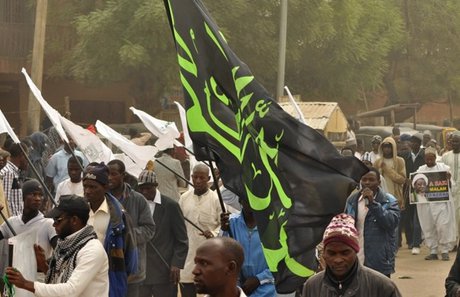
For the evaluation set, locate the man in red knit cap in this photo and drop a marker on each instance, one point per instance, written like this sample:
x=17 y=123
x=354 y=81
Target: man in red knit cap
x=344 y=275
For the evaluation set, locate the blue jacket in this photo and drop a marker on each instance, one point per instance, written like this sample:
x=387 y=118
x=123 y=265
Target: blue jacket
x=254 y=260
x=380 y=227
x=121 y=248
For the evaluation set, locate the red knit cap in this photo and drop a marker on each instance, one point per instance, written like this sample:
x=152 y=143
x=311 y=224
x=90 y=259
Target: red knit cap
x=342 y=229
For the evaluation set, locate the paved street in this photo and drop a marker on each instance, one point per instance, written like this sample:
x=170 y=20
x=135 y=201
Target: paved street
x=417 y=277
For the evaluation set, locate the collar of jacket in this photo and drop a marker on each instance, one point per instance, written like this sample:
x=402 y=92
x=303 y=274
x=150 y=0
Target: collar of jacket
x=116 y=211
x=343 y=285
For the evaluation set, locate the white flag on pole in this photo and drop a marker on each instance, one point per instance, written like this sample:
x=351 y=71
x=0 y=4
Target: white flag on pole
x=130 y=166
x=139 y=154
x=165 y=131
x=53 y=114
x=300 y=118
x=90 y=145
x=183 y=118
x=6 y=128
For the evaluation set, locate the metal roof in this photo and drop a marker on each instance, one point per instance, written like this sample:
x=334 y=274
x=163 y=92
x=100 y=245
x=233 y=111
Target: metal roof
x=317 y=114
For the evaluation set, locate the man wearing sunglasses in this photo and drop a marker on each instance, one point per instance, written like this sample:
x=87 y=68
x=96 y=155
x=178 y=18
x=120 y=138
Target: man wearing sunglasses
x=79 y=265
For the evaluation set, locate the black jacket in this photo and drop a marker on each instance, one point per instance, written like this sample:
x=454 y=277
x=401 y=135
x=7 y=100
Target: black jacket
x=170 y=240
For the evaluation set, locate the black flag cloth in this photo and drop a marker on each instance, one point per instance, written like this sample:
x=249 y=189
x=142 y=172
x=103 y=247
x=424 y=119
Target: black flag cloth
x=293 y=177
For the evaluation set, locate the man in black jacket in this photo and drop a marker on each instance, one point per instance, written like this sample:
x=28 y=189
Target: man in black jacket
x=409 y=218
x=453 y=279
x=167 y=251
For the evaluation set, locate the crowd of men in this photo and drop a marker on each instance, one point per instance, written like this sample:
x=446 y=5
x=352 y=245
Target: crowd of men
x=109 y=234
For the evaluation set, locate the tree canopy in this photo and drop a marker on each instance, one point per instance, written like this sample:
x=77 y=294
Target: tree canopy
x=336 y=50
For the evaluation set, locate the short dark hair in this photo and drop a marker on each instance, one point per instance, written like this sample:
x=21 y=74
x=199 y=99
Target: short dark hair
x=232 y=249
x=15 y=149
x=373 y=169
x=120 y=164
x=73 y=160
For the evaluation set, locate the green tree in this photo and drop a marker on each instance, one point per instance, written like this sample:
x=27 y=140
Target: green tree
x=426 y=67
x=335 y=49
x=350 y=56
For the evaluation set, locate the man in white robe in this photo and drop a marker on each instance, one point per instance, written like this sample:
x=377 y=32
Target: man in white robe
x=200 y=206
x=452 y=159
x=437 y=219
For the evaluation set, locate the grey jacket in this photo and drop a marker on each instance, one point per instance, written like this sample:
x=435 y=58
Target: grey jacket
x=138 y=209
x=168 y=182
x=367 y=283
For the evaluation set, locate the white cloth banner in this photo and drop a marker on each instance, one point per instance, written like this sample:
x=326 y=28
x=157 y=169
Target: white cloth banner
x=183 y=118
x=53 y=114
x=91 y=146
x=24 y=258
x=139 y=154
x=6 y=128
x=165 y=131
x=130 y=166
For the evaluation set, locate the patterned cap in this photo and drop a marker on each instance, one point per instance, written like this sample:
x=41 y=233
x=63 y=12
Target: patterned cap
x=376 y=138
x=342 y=229
x=430 y=150
x=147 y=177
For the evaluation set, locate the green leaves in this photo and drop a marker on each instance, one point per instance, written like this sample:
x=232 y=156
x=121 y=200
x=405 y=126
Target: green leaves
x=335 y=49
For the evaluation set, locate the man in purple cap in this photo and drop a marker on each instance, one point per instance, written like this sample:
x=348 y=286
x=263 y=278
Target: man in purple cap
x=113 y=228
x=344 y=275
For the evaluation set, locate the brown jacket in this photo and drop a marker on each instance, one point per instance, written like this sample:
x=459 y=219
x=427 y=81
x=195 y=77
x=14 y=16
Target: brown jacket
x=396 y=174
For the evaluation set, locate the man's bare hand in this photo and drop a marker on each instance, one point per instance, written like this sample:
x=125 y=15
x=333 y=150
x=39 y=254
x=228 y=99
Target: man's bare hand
x=42 y=264
x=174 y=275
x=224 y=221
x=208 y=234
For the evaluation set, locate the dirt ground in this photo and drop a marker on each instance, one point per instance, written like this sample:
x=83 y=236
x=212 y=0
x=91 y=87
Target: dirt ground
x=417 y=277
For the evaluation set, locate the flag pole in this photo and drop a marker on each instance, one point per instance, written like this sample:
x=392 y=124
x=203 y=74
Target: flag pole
x=216 y=182
x=175 y=173
x=73 y=154
x=39 y=177
x=194 y=225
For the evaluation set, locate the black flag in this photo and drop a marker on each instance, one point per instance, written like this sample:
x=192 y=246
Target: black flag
x=293 y=177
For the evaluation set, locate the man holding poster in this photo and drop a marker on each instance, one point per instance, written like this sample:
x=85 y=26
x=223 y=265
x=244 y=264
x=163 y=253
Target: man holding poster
x=435 y=210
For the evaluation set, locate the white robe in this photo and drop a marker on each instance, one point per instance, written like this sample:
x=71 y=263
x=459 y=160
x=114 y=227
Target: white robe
x=204 y=211
x=437 y=219
x=453 y=161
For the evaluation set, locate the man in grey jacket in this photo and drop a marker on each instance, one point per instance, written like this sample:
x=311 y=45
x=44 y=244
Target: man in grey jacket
x=344 y=275
x=142 y=220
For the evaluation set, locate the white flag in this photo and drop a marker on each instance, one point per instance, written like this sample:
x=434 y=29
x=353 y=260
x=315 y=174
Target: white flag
x=6 y=128
x=183 y=118
x=300 y=118
x=53 y=114
x=90 y=145
x=165 y=131
x=130 y=166
x=140 y=154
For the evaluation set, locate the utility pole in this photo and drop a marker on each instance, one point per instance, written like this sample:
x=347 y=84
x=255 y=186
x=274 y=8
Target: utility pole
x=282 y=50
x=33 y=119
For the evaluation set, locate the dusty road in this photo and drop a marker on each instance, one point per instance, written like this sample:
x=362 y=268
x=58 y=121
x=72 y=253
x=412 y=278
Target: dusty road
x=417 y=277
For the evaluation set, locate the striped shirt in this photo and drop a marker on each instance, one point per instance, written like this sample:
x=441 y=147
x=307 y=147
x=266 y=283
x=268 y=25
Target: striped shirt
x=12 y=187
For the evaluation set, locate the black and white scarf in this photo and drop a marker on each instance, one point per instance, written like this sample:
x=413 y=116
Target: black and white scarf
x=64 y=257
